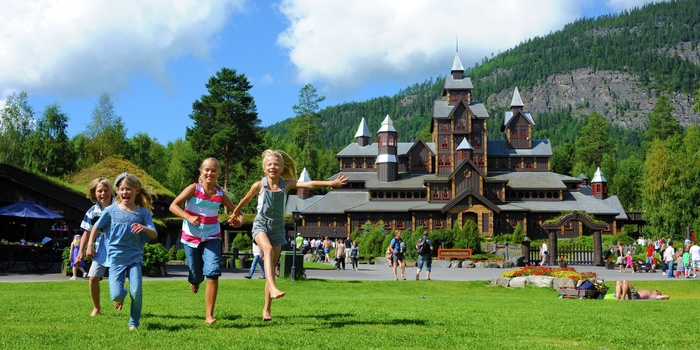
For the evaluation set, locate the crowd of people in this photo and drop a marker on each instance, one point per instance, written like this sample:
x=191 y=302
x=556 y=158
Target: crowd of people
x=683 y=262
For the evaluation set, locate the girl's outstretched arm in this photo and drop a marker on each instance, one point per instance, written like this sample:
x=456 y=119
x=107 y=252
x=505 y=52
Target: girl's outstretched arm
x=236 y=218
x=341 y=180
x=254 y=190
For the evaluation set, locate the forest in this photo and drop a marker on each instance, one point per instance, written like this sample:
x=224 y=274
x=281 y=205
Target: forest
x=652 y=168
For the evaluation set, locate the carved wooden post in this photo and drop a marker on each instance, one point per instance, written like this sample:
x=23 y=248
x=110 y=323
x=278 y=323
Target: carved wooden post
x=526 y=251
x=552 y=247
x=598 y=249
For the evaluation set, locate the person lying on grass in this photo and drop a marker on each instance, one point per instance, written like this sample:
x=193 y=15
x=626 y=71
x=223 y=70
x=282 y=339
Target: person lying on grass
x=624 y=290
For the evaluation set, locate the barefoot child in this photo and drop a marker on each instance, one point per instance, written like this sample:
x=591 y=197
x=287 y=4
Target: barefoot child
x=126 y=226
x=201 y=232
x=268 y=226
x=99 y=191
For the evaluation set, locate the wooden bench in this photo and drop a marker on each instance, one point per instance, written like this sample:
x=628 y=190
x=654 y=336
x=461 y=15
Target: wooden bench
x=454 y=253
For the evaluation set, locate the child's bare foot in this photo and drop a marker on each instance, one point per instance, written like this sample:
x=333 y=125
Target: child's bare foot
x=276 y=294
x=132 y=328
x=194 y=288
x=95 y=312
x=266 y=316
x=118 y=305
x=210 y=320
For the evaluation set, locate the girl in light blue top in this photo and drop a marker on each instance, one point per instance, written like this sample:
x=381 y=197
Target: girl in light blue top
x=127 y=226
x=268 y=226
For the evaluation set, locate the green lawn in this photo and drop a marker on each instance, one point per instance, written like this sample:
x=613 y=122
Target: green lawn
x=325 y=314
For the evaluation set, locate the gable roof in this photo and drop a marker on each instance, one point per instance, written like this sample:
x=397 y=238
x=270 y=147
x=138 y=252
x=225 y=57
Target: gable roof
x=499 y=148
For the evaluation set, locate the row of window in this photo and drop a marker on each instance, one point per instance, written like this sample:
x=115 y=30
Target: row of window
x=397 y=195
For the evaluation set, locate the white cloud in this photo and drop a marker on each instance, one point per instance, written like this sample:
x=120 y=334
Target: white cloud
x=347 y=44
x=83 y=47
x=350 y=43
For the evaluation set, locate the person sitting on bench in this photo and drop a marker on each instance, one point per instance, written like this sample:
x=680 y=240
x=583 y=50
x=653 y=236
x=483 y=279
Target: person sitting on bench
x=624 y=290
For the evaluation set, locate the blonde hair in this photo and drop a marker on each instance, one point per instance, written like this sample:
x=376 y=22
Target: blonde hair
x=76 y=241
x=289 y=171
x=92 y=188
x=145 y=196
x=200 y=179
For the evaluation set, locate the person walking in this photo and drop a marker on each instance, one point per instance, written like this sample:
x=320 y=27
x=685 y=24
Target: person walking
x=354 y=255
x=669 y=257
x=257 y=262
x=340 y=254
x=424 y=247
x=398 y=249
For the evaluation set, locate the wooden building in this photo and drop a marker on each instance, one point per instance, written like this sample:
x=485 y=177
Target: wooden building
x=456 y=176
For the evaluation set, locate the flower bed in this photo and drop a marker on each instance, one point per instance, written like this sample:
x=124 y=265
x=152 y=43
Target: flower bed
x=536 y=270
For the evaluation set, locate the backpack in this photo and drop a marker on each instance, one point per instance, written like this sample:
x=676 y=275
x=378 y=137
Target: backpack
x=402 y=246
x=423 y=247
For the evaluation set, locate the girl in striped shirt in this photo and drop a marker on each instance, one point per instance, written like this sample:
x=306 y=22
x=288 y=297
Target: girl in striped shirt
x=201 y=232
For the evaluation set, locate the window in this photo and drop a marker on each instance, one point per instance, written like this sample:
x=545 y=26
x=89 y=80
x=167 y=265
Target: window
x=607 y=228
x=438 y=223
x=392 y=140
x=514 y=134
x=477 y=142
x=445 y=143
x=445 y=194
x=568 y=226
x=423 y=223
x=445 y=128
x=523 y=133
x=436 y=194
x=400 y=225
x=387 y=226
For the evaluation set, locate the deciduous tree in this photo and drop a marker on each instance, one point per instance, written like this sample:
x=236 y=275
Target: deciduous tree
x=50 y=149
x=16 y=122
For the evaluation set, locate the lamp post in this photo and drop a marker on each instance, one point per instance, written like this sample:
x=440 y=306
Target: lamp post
x=296 y=215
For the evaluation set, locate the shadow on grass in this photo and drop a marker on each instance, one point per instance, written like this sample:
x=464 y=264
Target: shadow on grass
x=340 y=320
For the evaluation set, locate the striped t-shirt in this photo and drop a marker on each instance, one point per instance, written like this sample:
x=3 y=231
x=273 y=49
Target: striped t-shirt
x=207 y=208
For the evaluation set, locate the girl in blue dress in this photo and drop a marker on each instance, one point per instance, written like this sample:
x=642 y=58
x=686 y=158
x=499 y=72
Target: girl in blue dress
x=127 y=226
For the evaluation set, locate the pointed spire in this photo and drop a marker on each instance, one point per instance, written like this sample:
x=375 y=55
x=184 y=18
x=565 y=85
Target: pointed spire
x=457 y=65
x=363 y=130
x=598 y=177
x=304 y=176
x=516 y=101
x=464 y=145
x=387 y=125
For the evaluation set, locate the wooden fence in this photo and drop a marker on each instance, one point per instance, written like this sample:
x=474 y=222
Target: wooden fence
x=573 y=255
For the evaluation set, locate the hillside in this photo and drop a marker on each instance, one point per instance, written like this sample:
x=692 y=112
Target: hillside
x=615 y=65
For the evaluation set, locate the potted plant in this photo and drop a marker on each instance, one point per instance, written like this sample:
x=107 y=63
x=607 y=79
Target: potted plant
x=610 y=263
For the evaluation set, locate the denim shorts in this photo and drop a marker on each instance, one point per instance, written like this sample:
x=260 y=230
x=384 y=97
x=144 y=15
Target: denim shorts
x=203 y=261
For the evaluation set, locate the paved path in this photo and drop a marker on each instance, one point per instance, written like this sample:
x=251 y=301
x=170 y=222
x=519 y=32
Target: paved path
x=19 y=273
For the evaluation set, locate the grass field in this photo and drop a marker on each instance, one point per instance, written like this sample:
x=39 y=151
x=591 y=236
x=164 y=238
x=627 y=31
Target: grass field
x=325 y=314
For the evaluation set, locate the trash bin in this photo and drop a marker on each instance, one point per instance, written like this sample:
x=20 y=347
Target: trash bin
x=286 y=264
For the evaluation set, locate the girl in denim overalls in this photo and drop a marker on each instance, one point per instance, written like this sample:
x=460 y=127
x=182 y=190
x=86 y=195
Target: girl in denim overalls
x=268 y=226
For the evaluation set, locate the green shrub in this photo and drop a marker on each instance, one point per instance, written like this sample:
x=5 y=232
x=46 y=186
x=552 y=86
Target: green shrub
x=242 y=242
x=154 y=255
x=172 y=253
x=180 y=254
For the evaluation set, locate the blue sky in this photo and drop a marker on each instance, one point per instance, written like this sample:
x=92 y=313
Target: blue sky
x=155 y=57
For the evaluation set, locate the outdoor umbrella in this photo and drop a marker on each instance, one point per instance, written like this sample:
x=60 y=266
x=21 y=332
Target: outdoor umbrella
x=29 y=209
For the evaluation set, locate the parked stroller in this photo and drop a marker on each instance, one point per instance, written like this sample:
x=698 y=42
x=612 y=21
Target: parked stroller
x=320 y=255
